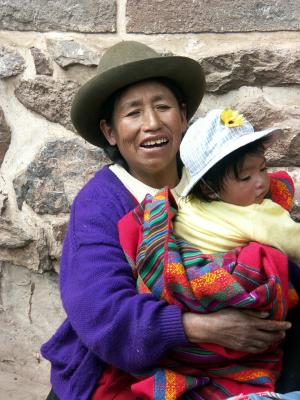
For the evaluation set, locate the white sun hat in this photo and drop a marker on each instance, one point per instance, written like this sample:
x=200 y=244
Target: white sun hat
x=208 y=140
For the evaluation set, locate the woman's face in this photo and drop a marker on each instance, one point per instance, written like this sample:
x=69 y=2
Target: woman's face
x=148 y=124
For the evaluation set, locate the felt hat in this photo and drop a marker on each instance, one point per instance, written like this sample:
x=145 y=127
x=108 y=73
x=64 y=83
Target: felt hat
x=208 y=140
x=126 y=63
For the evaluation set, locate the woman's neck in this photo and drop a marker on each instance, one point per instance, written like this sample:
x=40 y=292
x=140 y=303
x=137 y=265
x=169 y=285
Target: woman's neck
x=159 y=180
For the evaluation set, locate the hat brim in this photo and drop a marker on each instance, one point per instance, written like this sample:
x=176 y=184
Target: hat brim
x=234 y=145
x=86 y=111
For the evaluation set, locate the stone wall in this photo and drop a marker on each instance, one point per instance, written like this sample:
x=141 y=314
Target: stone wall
x=250 y=51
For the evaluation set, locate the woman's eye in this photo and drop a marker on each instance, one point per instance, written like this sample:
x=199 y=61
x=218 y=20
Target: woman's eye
x=133 y=113
x=263 y=169
x=162 y=107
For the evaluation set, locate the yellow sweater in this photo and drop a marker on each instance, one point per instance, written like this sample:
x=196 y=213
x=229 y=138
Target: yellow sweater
x=218 y=226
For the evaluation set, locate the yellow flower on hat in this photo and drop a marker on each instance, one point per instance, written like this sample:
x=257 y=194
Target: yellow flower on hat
x=231 y=118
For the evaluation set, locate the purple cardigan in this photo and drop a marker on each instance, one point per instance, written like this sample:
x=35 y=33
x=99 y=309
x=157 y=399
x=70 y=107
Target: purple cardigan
x=107 y=320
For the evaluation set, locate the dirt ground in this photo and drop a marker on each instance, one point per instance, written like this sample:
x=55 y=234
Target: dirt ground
x=14 y=387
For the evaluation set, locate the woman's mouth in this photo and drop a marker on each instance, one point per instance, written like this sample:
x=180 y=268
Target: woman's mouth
x=149 y=144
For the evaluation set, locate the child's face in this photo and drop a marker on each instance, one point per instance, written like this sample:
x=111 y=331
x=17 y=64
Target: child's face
x=251 y=186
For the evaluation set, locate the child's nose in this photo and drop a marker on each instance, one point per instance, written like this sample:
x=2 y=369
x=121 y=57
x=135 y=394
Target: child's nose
x=261 y=182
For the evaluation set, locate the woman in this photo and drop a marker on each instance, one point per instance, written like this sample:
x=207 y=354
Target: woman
x=136 y=108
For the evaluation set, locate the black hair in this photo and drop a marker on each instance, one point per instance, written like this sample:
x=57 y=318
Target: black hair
x=108 y=110
x=211 y=184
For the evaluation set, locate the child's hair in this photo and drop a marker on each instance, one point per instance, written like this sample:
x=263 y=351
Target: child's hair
x=210 y=185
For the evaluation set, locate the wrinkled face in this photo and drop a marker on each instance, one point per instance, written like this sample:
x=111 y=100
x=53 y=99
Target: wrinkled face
x=251 y=186
x=148 y=124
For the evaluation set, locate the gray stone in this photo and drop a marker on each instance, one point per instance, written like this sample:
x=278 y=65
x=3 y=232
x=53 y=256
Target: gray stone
x=190 y=16
x=3 y=202
x=5 y=136
x=261 y=113
x=59 y=231
x=285 y=151
x=11 y=62
x=296 y=207
x=295 y=213
x=22 y=249
x=48 y=97
x=12 y=237
x=56 y=235
x=31 y=311
x=282 y=152
x=41 y=62
x=67 y=15
x=251 y=67
x=52 y=180
x=70 y=52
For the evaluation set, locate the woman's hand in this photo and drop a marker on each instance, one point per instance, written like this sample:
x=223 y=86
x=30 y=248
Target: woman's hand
x=247 y=331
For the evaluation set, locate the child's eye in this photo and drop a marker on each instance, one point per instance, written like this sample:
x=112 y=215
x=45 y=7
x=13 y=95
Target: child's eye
x=245 y=178
x=263 y=169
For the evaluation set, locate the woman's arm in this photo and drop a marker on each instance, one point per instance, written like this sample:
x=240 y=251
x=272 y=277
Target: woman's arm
x=124 y=328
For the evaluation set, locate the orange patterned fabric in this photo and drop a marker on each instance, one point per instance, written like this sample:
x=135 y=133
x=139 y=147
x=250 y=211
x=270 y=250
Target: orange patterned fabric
x=282 y=189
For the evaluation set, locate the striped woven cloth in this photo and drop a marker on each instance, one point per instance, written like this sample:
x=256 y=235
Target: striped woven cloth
x=253 y=277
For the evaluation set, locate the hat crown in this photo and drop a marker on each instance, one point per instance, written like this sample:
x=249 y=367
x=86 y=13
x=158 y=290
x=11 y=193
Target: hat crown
x=206 y=139
x=124 y=53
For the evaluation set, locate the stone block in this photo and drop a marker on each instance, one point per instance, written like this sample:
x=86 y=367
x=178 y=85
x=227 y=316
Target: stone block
x=251 y=67
x=263 y=115
x=67 y=15
x=48 y=97
x=23 y=249
x=190 y=16
x=70 y=52
x=53 y=179
x=11 y=62
x=5 y=136
x=41 y=62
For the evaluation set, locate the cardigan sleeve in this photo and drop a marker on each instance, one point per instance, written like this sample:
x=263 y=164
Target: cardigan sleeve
x=123 y=328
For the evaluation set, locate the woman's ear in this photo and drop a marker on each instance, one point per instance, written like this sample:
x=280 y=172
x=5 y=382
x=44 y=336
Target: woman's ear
x=184 y=116
x=108 y=132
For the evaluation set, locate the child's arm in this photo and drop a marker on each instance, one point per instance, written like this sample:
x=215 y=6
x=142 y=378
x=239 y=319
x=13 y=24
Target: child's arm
x=272 y=225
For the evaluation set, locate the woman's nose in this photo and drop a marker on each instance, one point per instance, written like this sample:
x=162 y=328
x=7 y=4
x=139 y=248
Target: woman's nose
x=151 y=120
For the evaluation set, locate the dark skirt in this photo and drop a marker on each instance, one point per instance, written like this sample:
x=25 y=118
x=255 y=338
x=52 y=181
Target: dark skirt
x=52 y=396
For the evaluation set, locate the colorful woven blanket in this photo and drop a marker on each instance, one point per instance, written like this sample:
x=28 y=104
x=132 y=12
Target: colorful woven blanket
x=282 y=189
x=253 y=277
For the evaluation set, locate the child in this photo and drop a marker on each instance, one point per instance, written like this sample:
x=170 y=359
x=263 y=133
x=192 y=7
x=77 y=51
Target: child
x=252 y=277
x=228 y=186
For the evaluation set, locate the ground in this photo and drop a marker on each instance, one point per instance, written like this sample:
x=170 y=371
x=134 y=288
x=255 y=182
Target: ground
x=14 y=387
